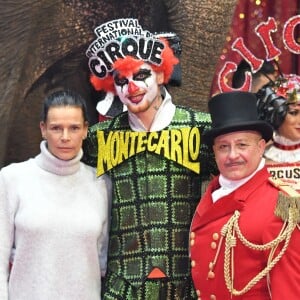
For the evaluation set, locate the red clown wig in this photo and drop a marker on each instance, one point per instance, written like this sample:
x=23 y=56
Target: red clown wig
x=129 y=64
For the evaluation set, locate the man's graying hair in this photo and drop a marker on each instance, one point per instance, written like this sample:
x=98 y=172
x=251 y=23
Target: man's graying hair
x=64 y=98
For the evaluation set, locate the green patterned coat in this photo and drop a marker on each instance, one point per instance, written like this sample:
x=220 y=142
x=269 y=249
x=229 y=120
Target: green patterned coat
x=155 y=195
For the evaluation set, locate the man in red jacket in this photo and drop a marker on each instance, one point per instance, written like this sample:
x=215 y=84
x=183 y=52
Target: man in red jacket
x=244 y=239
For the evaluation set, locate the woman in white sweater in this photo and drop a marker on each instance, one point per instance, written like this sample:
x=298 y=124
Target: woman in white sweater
x=54 y=213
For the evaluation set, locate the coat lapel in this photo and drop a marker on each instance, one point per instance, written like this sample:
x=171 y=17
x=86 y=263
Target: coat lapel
x=207 y=211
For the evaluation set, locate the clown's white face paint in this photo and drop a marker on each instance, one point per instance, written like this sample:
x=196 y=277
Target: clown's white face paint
x=138 y=90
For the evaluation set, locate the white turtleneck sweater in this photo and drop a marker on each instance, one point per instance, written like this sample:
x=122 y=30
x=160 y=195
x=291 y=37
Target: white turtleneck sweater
x=55 y=215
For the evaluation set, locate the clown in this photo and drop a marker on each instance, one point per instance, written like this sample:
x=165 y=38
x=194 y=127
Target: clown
x=154 y=156
x=280 y=106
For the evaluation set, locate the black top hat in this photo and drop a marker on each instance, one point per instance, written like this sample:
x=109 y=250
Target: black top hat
x=235 y=111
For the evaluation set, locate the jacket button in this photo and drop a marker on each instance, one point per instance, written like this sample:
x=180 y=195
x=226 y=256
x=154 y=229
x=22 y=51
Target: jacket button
x=215 y=236
x=192 y=235
x=198 y=293
x=213 y=245
x=193 y=263
x=212 y=297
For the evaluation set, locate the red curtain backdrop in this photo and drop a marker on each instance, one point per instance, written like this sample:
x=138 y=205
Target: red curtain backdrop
x=250 y=13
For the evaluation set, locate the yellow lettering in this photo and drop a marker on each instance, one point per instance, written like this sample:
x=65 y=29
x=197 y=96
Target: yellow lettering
x=123 y=146
x=176 y=150
x=114 y=148
x=163 y=144
x=140 y=147
x=151 y=146
x=179 y=145
x=103 y=153
x=195 y=166
x=133 y=136
x=194 y=143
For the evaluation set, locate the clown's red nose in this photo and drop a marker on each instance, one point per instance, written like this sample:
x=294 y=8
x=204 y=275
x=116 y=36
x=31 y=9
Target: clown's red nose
x=132 y=88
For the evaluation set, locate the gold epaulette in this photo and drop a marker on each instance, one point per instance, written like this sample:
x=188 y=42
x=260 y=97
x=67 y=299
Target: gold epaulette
x=288 y=200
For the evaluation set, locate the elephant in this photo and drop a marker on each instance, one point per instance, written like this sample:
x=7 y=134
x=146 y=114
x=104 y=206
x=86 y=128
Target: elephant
x=43 y=44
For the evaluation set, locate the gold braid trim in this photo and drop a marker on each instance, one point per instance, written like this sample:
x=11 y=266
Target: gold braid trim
x=284 y=204
x=288 y=198
x=232 y=232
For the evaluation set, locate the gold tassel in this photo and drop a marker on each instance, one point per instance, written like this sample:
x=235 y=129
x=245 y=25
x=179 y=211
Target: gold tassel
x=288 y=200
x=286 y=205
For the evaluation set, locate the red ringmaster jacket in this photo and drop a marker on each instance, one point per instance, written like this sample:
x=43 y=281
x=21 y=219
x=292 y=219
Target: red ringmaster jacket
x=256 y=201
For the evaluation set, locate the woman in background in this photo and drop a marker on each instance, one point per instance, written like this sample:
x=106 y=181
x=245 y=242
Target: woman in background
x=54 y=213
x=280 y=106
